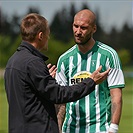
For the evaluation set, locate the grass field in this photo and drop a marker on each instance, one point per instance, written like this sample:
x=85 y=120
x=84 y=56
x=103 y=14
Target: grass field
x=126 y=123
x=3 y=109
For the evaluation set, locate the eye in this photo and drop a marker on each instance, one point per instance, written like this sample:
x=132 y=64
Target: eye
x=83 y=28
x=76 y=26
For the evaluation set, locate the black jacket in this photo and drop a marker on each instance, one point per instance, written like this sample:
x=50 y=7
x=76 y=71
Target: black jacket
x=32 y=92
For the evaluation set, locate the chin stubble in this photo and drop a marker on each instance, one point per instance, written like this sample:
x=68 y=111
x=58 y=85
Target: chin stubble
x=83 y=43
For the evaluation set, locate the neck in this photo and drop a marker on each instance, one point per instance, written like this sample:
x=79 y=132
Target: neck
x=88 y=46
x=36 y=45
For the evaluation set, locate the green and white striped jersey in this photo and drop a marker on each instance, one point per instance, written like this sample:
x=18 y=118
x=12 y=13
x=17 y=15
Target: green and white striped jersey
x=92 y=113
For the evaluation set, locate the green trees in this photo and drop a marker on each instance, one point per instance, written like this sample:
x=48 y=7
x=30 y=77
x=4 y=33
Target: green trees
x=61 y=35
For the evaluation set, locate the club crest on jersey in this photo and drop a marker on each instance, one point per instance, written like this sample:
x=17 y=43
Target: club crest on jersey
x=93 y=62
x=78 y=77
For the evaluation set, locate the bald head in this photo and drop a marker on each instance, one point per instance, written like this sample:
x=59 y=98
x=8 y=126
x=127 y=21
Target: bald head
x=84 y=26
x=86 y=15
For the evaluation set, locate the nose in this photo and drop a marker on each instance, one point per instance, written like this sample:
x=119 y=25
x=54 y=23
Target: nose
x=78 y=30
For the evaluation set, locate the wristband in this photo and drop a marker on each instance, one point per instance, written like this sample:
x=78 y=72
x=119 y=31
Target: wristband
x=113 y=128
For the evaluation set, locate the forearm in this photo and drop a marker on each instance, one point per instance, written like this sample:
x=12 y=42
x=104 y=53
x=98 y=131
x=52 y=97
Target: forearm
x=116 y=109
x=61 y=115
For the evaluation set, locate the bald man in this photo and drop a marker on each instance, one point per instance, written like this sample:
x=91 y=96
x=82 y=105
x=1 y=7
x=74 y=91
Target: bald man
x=100 y=111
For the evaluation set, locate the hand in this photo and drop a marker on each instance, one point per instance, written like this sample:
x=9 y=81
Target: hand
x=52 y=70
x=99 y=77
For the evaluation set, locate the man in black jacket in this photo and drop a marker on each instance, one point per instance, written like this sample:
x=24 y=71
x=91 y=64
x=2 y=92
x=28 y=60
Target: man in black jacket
x=31 y=90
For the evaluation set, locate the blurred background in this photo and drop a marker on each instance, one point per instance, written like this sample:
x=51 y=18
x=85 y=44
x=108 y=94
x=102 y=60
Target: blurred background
x=114 y=27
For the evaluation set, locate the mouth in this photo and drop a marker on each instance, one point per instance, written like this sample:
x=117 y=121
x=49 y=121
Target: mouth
x=78 y=37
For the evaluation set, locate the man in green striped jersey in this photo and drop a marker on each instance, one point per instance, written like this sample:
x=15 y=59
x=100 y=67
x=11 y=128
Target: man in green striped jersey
x=100 y=111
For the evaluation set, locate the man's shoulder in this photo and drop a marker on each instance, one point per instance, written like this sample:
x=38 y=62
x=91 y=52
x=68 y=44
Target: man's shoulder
x=71 y=51
x=105 y=48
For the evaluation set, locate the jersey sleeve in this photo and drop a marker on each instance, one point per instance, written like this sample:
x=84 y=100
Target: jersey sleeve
x=116 y=76
x=60 y=74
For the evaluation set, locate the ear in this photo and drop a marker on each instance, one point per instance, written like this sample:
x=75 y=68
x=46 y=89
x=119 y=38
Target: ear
x=40 y=36
x=94 y=28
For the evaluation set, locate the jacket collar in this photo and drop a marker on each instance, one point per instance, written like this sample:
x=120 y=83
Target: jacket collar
x=32 y=49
